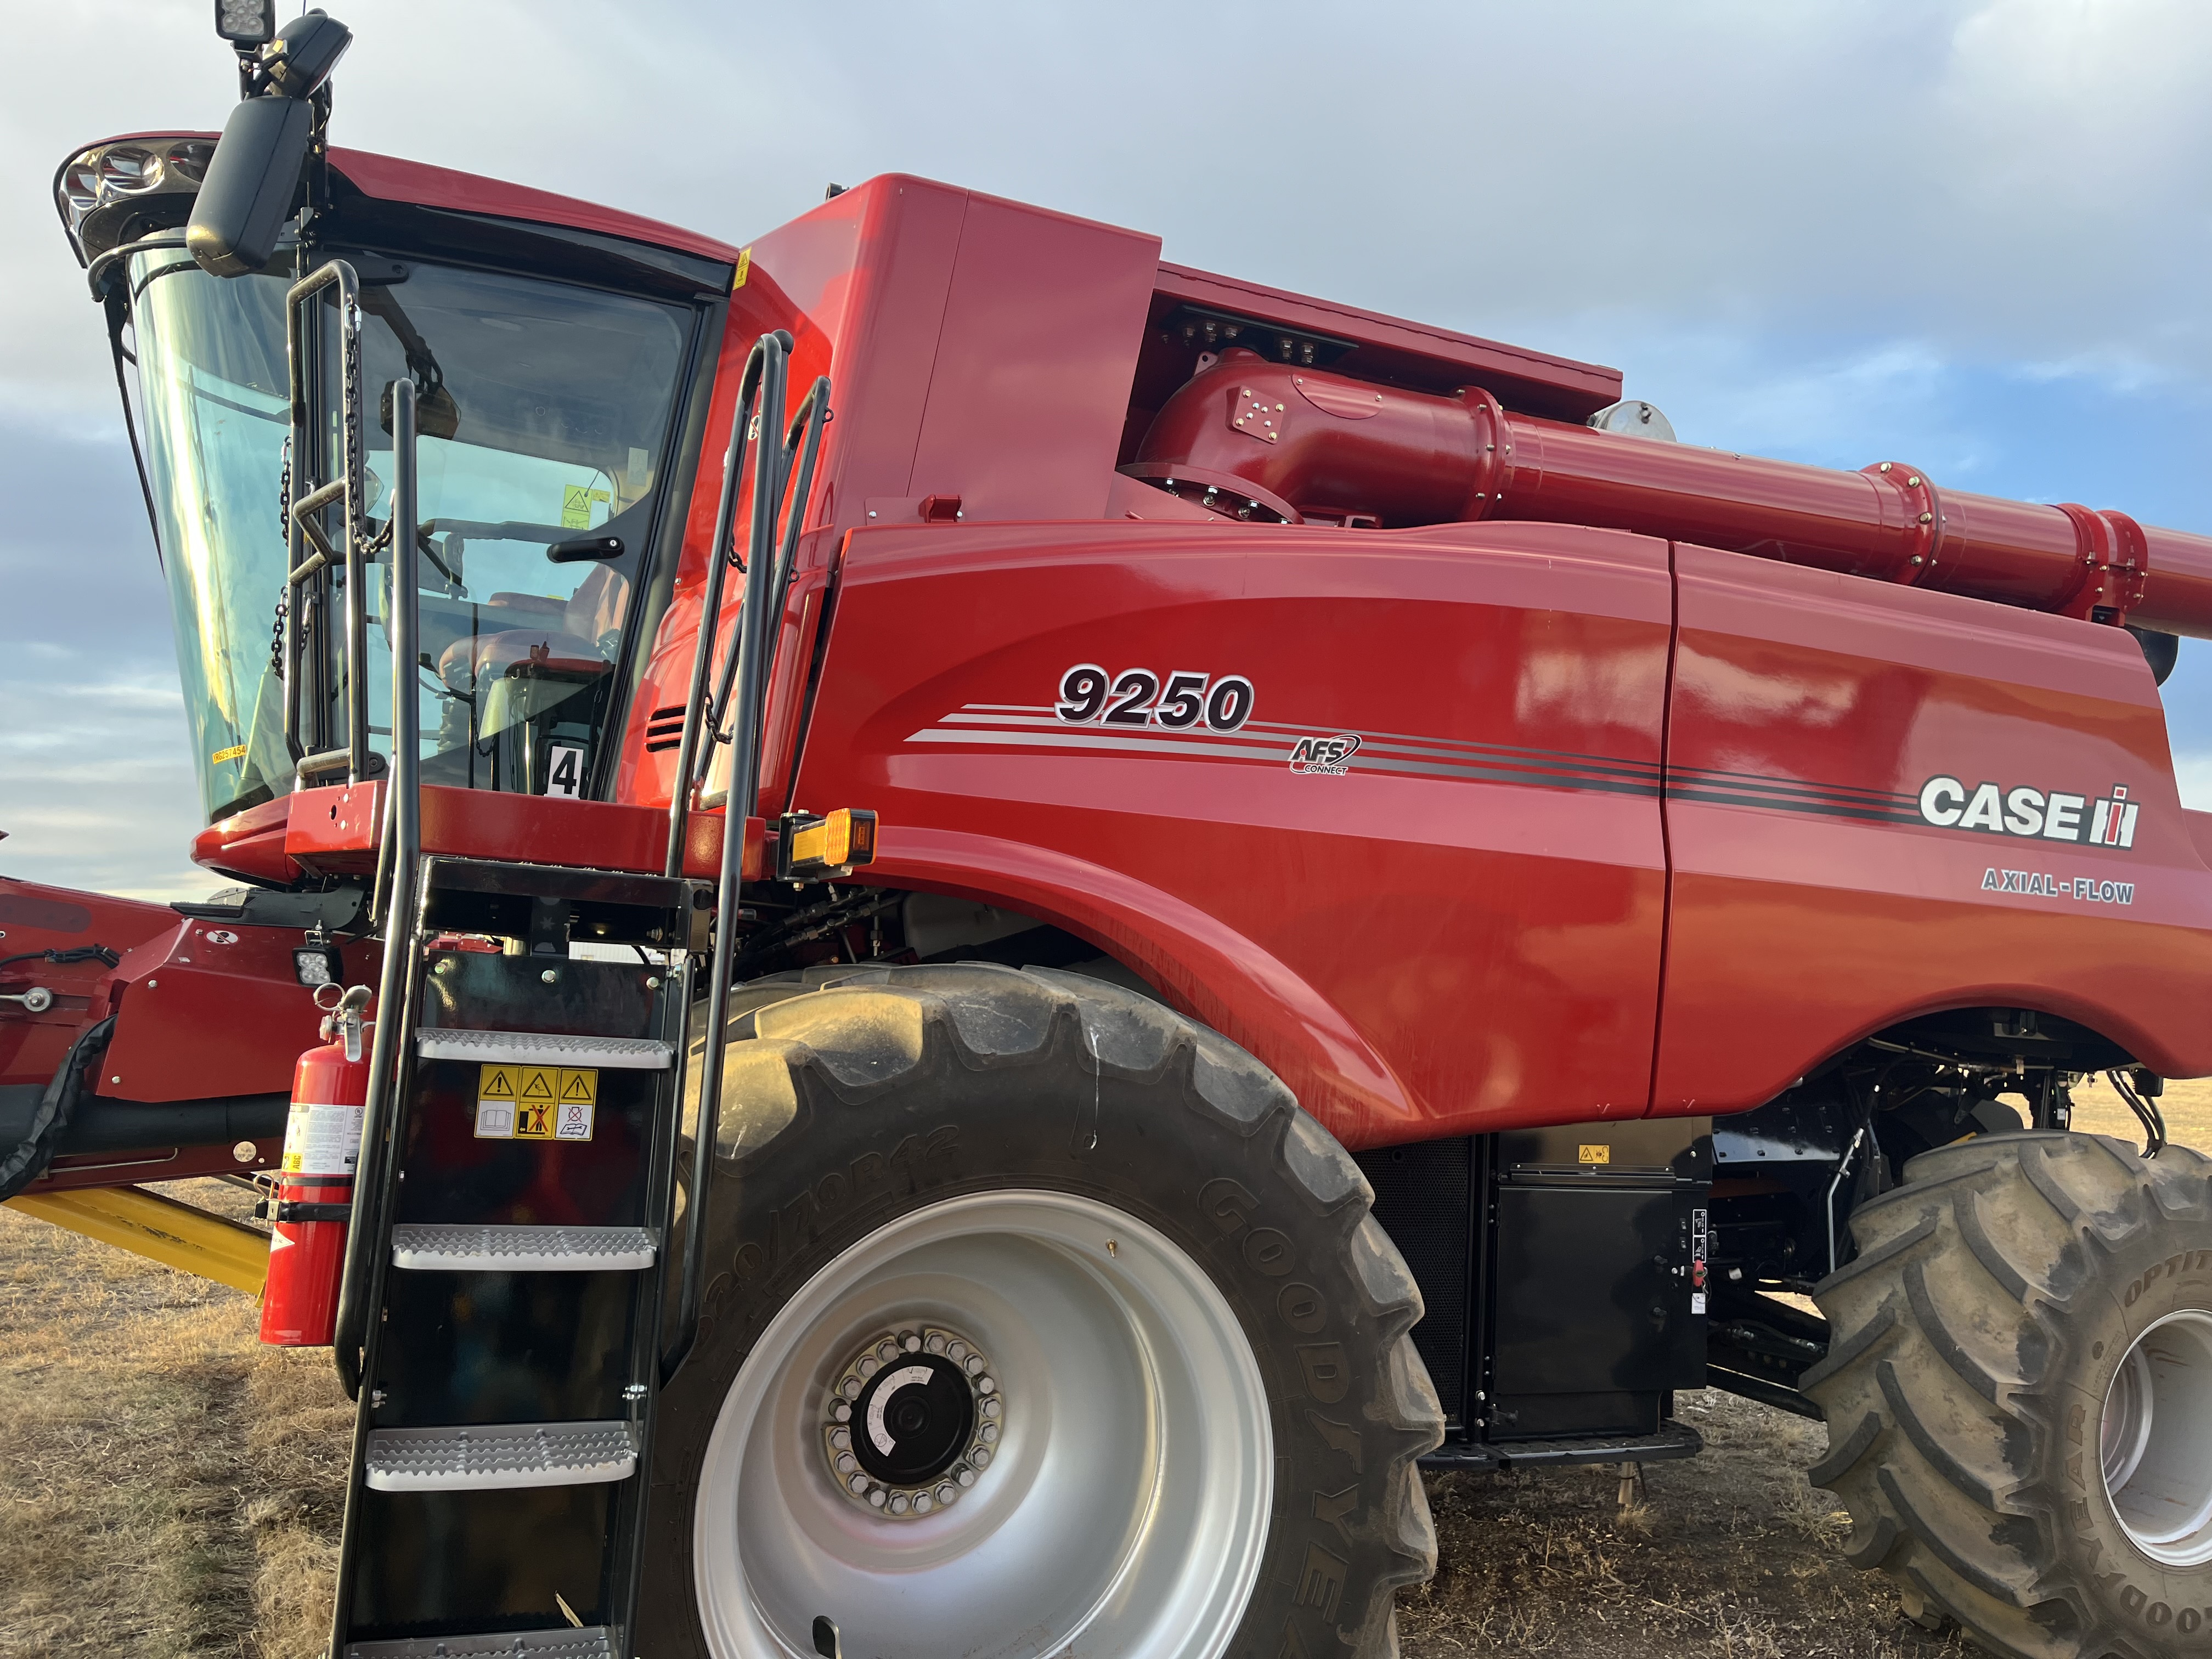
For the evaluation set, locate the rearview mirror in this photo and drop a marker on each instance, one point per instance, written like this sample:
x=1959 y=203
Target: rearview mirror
x=249 y=185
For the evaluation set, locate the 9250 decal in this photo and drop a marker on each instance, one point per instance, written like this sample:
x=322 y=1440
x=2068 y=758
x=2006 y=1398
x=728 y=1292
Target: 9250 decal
x=1138 y=696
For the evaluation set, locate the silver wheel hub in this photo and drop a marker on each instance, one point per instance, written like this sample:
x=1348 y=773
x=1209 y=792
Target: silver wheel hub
x=913 y=1420
x=2156 y=1441
x=1110 y=1489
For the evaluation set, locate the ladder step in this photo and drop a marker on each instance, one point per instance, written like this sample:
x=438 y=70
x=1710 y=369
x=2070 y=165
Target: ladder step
x=545 y=1048
x=591 y=1642
x=427 y=1248
x=485 y=1456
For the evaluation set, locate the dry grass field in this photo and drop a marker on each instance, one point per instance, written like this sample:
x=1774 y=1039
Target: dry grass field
x=170 y=1488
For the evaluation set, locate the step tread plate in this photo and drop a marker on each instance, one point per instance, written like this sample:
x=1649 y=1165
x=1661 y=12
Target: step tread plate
x=591 y=1642
x=543 y=1048
x=432 y=1247
x=490 y=1456
x=1673 y=1440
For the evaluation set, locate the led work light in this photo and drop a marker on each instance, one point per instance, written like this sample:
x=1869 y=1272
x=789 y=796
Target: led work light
x=246 y=22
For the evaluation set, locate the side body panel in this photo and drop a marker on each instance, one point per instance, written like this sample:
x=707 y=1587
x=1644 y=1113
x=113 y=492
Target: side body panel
x=980 y=353
x=1813 y=902
x=1459 y=930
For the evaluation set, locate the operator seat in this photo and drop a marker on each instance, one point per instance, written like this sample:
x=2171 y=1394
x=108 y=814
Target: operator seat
x=555 y=634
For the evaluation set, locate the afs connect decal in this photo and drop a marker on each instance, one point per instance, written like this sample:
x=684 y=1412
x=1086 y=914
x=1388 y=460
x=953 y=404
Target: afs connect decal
x=1950 y=804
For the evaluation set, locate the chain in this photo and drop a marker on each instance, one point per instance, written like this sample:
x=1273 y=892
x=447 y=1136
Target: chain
x=284 y=533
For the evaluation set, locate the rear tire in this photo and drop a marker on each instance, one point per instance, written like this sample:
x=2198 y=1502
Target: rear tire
x=2019 y=1395
x=1210 y=1425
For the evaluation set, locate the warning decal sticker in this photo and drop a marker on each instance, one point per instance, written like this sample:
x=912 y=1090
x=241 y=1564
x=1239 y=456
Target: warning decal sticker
x=537 y=1102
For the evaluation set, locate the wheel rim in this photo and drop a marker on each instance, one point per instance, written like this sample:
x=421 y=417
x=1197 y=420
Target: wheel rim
x=2156 y=1440
x=1126 y=1503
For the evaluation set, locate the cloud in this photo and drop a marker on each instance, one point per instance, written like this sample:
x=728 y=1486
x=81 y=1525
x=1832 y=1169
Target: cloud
x=96 y=791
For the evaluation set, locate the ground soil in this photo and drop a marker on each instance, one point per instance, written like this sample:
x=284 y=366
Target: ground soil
x=169 y=1488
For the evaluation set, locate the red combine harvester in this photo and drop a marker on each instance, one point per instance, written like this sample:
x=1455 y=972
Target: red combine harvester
x=978 y=1026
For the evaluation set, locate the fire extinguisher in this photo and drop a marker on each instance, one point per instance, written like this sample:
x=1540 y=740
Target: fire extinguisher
x=312 y=1204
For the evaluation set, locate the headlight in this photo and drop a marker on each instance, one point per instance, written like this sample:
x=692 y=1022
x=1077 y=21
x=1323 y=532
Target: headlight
x=189 y=160
x=129 y=169
x=80 y=186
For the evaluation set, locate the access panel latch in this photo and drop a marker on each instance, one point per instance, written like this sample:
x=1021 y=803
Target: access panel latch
x=823 y=848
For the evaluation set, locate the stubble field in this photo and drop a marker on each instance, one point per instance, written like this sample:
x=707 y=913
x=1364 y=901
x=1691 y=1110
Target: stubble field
x=169 y=1488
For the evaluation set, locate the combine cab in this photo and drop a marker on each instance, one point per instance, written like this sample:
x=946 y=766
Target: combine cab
x=946 y=939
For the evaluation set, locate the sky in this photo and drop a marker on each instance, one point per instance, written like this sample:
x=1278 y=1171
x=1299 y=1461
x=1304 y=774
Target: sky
x=1970 y=235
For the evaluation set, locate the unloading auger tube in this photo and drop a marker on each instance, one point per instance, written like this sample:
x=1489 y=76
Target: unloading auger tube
x=1300 y=442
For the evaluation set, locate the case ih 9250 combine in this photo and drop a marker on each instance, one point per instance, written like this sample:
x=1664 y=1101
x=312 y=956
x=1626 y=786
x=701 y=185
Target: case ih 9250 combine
x=1368 y=831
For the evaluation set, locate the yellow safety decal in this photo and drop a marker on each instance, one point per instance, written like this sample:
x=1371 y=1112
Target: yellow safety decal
x=236 y=751
x=576 y=506
x=1596 y=1154
x=744 y=268
x=537 y=1102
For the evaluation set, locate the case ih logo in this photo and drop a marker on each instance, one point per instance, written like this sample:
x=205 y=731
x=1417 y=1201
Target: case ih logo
x=1950 y=804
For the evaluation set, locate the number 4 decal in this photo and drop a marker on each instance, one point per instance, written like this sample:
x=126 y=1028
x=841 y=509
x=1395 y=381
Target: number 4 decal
x=566 y=775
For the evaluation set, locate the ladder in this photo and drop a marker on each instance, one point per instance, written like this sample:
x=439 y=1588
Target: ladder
x=512 y=1355
x=504 y=1321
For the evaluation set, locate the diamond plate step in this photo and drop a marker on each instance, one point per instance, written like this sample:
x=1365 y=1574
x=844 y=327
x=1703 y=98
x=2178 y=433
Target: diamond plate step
x=485 y=1456
x=430 y=1248
x=1673 y=1440
x=591 y=1642
x=545 y=1048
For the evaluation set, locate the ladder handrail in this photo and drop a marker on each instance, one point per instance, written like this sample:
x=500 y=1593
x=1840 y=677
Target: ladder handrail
x=769 y=567
x=767 y=480
x=302 y=566
x=719 y=559
x=400 y=854
x=808 y=424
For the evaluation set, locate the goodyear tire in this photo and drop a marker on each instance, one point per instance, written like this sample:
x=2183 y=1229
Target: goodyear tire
x=2019 y=1395
x=1039 y=1319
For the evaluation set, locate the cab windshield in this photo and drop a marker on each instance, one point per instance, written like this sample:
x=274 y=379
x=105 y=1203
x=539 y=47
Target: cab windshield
x=547 y=417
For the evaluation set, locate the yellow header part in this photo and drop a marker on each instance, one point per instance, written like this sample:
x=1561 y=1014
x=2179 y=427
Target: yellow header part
x=159 y=1229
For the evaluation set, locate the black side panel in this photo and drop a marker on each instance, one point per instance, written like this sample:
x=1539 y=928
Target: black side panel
x=1597 y=1296
x=1424 y=1197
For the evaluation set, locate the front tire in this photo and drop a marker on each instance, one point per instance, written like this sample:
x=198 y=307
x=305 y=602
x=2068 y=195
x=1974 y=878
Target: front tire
x=2019 y=1395
x=1036 y=1316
